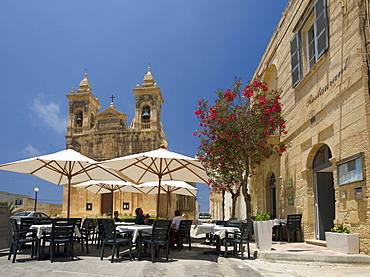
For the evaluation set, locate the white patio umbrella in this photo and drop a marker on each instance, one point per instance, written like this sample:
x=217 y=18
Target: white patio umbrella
x=177 y=187
x=159 y=165
x=64 y=167
x=168 y=187
x=99 y=187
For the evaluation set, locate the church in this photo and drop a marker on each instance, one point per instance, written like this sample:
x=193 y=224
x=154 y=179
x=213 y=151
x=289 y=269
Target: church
x=104 y=135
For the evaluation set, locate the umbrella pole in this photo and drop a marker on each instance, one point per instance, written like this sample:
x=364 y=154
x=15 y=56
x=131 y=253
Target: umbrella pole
x=111 y=204
x=168 y=199
x=159 y=192
x=69 y=196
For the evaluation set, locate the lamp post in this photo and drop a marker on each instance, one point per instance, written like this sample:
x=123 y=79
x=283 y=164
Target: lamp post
x=36 y=191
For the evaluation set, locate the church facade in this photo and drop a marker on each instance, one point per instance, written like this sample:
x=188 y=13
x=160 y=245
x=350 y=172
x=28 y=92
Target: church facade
x=103 y=135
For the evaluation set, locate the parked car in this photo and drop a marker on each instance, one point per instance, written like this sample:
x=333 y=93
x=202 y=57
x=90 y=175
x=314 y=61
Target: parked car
x=29 y=214
x=204 y=218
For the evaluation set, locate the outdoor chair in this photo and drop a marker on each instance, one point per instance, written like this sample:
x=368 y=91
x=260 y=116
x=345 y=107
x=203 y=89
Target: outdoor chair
x=77 y=238
x=78 y=222
x=41 y=221
x=184 y=233
x=19 y=238
x=24 y=227
x=62 y=231
x=158 y=236
x=233 y=223
x=239 y=238
x=293 y=225
x=100 y=234
x=87 y=232
x=113 y=238
x=26 y=223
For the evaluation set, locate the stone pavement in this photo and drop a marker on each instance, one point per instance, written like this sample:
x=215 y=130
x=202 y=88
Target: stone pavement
x=305 y=252
x=294 y=259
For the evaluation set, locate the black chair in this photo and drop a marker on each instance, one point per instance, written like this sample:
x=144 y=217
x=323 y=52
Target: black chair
x=184 y=233
x=238 y=239
x=128 y=220
x=19 y=238
x=220 y=222
x=158 y=236
x=293 y=225
x=113 y=238
x=78 y=222
x=24 y=227
x=233 y=223
x=42 y=221
x=78 y=237
x=26 y=223
x=100 y=235
x=87 y=232
x=62 y=231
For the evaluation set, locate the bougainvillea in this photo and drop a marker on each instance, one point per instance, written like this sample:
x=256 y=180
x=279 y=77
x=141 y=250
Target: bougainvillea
x=234 y=133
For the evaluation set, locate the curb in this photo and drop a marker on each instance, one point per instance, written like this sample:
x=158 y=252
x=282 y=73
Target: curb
x=297 y=257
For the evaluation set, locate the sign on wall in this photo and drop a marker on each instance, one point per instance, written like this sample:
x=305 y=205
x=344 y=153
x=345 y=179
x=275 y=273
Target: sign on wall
x=350 y=170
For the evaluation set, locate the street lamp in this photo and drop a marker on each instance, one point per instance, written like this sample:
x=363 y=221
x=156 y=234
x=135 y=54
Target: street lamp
x=36 y=191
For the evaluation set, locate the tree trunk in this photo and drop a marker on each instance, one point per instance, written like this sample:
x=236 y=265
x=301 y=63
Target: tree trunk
x=247 y=199
x=233 y=207
x=234 y=198
x=223 y=204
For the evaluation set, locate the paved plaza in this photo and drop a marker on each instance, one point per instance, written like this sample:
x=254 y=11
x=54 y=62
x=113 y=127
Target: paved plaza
x=294 y=259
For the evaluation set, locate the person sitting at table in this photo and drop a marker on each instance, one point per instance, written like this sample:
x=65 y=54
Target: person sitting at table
x=175 y=226
x=116 y=218
x=140 y=217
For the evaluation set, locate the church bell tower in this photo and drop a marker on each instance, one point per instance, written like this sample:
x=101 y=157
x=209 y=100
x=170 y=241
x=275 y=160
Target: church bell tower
x=148 y=99
x=83 y=109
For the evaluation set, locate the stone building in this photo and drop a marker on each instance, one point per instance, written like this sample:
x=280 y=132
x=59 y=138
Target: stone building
x=106 y=135
x=27 y=203
x=318 y=57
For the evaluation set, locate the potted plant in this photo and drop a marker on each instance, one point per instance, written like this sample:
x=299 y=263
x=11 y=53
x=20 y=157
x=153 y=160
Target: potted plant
x=342 y=240
x=262 y=226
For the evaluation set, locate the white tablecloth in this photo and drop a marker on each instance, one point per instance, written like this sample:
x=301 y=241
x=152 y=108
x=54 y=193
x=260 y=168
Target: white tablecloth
x=125 y=223
x=135 y=229
x=217 y=230
x=278 y=221
x=47 y=227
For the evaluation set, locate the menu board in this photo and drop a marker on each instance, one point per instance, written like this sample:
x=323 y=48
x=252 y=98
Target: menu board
x=5 y=232
x=350 y=171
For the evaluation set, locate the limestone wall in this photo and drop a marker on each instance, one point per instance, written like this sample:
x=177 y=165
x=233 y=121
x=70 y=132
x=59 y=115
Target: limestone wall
x=328 y=107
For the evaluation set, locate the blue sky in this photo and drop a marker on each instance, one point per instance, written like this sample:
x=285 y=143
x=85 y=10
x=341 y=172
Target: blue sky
x=193 y=48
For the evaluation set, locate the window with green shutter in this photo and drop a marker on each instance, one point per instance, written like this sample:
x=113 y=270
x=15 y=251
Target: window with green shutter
x=310 y=42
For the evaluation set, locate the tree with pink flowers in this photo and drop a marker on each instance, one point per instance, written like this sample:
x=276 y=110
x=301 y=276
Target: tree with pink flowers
x=234 y=136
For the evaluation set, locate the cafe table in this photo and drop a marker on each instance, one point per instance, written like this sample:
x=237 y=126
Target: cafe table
x=279 y=222
x=218 y=231
x=46 y=228
x=134 y=228
x=124 y=223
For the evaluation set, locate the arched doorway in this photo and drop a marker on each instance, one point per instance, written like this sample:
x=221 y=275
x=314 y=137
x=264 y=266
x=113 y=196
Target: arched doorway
x=271 y=196
x=323 y=192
